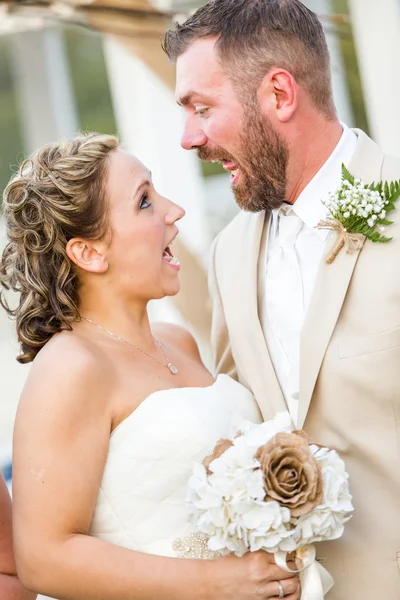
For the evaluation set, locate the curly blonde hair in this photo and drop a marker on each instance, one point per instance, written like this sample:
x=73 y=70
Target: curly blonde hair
x=57 y=194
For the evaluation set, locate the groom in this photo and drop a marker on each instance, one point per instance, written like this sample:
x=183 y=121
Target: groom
x=320 y=340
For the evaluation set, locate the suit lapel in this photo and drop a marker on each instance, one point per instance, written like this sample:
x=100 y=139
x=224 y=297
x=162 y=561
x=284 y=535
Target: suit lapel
x=325 y=306
x=331 y=285
x=254 y=358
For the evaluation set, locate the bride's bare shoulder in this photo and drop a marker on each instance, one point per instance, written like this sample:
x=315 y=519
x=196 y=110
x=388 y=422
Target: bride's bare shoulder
x=177 y=336
x=68 y=365
x=70 y=346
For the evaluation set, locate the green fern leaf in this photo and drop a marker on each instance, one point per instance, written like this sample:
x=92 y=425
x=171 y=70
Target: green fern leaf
x=383 y=240
x=394 y=191
x=386 y=190
x=346 y=175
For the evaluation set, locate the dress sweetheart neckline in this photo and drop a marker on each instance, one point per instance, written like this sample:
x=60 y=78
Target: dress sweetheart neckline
x=167 y=390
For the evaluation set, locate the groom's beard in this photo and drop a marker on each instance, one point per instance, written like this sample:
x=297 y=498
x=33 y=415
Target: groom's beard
x=263 y=161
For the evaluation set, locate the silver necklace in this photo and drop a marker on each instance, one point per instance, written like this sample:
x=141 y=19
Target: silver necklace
x=167 y=363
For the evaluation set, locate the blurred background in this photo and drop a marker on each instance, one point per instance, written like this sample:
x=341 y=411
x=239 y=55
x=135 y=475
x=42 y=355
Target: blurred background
x=97 y=65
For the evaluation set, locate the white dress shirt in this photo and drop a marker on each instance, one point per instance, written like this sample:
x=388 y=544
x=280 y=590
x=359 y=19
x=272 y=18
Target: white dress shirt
x=282 y=337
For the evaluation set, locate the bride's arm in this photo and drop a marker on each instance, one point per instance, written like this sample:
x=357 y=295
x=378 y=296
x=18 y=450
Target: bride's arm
x=10 y=587
x=60 y=448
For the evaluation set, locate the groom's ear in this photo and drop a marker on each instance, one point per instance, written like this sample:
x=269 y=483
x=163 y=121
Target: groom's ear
x=278 y=95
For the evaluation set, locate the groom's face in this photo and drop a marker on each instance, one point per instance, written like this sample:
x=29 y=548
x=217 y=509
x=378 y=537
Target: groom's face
x=229 y=128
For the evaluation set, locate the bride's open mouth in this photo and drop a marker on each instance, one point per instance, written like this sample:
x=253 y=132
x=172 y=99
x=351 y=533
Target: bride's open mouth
x=170 y=259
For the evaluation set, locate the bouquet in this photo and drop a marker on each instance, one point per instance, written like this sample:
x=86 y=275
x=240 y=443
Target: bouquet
x=269 y=489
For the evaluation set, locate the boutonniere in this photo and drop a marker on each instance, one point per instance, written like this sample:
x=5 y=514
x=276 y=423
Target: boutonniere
x=358 y=211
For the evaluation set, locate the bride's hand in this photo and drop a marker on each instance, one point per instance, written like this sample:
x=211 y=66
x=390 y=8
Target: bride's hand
x=254 y=576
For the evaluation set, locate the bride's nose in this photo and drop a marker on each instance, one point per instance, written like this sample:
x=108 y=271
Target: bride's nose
x=174 y=213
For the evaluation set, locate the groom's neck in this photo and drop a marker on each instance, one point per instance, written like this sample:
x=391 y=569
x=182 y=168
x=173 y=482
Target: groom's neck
x=311 y=144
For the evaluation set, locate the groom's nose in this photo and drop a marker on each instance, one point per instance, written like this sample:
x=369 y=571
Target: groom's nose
x=193 y=138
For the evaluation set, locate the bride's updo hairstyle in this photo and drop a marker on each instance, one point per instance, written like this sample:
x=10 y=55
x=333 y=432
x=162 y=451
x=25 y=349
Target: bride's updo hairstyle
x=58 y=194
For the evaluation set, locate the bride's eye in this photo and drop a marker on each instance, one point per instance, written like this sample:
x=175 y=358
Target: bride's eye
x=143 y=202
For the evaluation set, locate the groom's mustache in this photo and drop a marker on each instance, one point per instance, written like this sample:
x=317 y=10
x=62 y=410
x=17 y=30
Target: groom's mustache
x=216 y=154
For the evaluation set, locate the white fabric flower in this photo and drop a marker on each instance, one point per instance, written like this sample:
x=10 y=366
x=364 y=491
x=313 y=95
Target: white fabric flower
x=327 y=521
x=228 y=503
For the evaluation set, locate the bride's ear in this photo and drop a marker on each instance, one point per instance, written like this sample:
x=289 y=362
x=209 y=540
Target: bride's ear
x=88 y=256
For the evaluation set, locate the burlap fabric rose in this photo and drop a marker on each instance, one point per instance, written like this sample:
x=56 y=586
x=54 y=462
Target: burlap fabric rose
x=219 y=449
x=292 y=476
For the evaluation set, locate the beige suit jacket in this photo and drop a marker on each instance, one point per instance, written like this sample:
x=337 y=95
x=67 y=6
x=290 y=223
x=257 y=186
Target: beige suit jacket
x=349 y=374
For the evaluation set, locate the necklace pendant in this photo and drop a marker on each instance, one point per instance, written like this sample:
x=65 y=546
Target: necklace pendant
x=173 y=369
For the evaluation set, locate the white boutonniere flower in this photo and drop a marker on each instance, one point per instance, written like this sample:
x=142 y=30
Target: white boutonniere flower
x=358 y=211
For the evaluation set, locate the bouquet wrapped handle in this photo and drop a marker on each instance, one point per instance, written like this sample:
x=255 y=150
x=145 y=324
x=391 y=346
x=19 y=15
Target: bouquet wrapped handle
x=315 y=580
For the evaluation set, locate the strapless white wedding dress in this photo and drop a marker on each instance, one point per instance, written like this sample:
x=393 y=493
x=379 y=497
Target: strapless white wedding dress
x=141 y=503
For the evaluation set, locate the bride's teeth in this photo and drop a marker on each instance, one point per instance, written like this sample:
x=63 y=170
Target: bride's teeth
x=172 y=260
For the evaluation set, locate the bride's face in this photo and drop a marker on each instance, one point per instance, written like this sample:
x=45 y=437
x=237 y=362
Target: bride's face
x=143 y=226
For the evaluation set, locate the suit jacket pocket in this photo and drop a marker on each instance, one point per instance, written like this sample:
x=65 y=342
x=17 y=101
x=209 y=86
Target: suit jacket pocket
x=370 y=344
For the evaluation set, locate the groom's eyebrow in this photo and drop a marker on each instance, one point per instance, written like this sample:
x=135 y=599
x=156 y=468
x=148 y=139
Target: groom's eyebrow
x=189 y=96
x=186 y=99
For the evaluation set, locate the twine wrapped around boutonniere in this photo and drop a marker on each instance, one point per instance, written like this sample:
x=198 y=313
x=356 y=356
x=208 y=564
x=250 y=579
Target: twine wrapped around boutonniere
x=353 y=241
x=358 y=211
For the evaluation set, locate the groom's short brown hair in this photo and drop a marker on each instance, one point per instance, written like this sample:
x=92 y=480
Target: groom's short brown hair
x=257 y=35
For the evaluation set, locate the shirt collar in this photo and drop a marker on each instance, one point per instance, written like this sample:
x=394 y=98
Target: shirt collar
x=308 y=206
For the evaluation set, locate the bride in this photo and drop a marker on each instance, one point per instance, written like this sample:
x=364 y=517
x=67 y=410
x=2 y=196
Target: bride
x=115 y=412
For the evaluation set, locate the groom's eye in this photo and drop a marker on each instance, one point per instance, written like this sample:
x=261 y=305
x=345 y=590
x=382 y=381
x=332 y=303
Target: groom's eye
x=200 y=111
